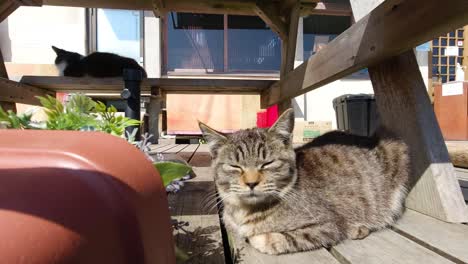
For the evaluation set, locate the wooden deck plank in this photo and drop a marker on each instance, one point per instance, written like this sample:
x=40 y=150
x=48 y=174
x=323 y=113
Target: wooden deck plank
x=188 y=152
x=202 y=239
x=248 y=255
x=202 y=157
x=385 y=247
x=449 y=240
x=164 y=148
x=176 y=149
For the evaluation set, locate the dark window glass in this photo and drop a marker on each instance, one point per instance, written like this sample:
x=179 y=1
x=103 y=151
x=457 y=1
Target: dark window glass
x=452 y=34
x=452 y=42
x=435 y=51
x=195 y=41
x=435 y=42
x=452 y=60
x=452 y=78
x=319 y=30
x=443 y=60
x=252 y=46
x=460 y=33
x=460 y=60
x=444 y=79
x=460 y=52
x=443 y=41
x=435 y=60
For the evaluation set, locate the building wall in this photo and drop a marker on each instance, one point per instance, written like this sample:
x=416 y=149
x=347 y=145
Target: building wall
x=26 y=37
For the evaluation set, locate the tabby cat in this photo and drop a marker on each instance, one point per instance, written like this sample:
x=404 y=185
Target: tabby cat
x=280 y=200
x=96 y=64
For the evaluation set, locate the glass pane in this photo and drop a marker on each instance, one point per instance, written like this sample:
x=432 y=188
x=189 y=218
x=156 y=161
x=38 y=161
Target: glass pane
x=435 y=42
x=452 y=42
x=118 y=31
x=252 y=46
x=443 y=60
x=452 y=60
x=452 y=34
x=443 y=69
x=460 y=60
x=452 y=78
x=195 y=42
x=319 y=30
x=443 y=41
x=460 y=52
x=435 y=60
x=460 y=33
x=452 y=70
x=444 y=79
x=435 y=51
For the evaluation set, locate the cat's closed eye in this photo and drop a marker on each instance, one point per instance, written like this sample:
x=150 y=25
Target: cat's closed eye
x=266 y=165
x=233 y=167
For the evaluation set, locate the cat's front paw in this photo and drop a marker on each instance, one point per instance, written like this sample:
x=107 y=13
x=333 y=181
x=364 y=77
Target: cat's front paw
x=269 y=243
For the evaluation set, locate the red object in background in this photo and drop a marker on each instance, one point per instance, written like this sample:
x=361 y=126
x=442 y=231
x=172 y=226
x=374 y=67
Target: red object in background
x=61 y=97
x=267 y=118
x=451 y=109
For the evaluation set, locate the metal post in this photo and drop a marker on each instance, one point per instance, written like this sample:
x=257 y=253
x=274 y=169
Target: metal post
x=132 y=93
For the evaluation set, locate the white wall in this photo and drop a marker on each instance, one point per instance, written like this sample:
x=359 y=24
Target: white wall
x=152 y=45
x=27 y=34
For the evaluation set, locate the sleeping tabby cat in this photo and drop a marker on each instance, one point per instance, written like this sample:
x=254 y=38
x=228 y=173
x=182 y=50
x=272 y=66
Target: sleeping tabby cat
x=281 y=199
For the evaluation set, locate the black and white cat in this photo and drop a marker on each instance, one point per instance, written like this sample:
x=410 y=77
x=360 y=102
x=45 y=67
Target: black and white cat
x=97 y=64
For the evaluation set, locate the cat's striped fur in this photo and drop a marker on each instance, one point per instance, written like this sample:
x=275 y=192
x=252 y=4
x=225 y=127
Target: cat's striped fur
x=283 y=200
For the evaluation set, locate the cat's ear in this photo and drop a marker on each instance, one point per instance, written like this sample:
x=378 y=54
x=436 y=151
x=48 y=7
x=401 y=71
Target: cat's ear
x=57 y=50
x=284 y=126
x=214 y=138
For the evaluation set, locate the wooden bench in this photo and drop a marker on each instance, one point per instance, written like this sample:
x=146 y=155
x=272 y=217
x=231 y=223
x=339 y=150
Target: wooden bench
x=416 y=238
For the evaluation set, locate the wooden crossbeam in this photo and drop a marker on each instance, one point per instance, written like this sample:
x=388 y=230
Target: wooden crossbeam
x=159 y=8
x=271 y=15
x=6 y=8
x=11 y=91
x=384 y=33
x=170 y=85
x=331 y=9
x=28 y=2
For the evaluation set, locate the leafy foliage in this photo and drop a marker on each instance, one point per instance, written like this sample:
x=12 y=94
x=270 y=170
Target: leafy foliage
x=170 y=171
x=73 y=116
x=10 y=119
x=110 y=122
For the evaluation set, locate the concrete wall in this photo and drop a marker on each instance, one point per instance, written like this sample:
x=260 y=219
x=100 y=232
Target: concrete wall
x=27 y=34
x=152 y=45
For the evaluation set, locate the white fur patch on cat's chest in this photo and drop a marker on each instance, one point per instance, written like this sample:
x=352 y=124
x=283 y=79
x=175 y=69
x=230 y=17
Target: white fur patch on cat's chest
x=61 y=67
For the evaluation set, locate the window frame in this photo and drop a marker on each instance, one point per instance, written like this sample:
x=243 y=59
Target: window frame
x=91 y=32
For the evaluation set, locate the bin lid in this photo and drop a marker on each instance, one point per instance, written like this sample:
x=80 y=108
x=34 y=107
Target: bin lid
x=353 y=97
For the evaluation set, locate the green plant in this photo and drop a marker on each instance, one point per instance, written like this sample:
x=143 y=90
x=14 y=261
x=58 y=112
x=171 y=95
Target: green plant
x=111 y=123
x=72 y=116
x=10 y=119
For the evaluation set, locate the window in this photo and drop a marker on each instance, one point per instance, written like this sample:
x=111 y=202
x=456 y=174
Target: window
x=204 y=44
x=319 y=30
x=116 y=31
x=444 y=67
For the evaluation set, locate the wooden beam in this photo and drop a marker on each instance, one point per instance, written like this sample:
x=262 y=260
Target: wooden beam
x=380 y=35
x=28 y=2
x=6 y=8
x=331 y=9
x=404 y=107
x=288 y=52
x=159 y=8
x=11 y=91
x=270 y=14
x=170 y=85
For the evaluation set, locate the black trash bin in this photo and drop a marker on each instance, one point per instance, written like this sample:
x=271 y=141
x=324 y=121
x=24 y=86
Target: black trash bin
x=356 y=113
